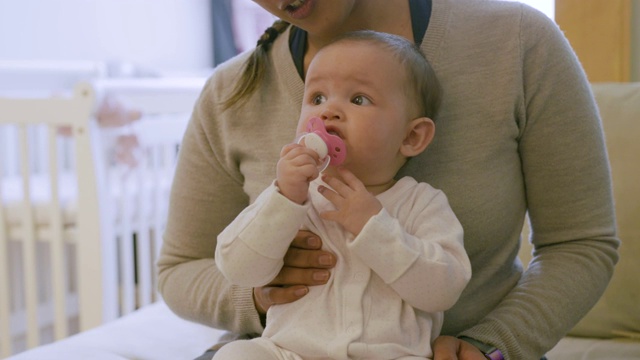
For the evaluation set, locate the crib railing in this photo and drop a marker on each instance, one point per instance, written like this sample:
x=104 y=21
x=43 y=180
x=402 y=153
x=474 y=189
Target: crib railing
x=21 y=279
x=141 y=156
x=81 y=231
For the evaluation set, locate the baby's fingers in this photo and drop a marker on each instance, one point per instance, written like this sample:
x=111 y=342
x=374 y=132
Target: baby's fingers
x=333 y=197
x=287 y=149
x=350 y=179
x=292 y=151
x=337 y=184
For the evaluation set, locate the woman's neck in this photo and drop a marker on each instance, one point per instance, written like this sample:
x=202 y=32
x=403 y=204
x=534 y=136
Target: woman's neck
x=390 y=16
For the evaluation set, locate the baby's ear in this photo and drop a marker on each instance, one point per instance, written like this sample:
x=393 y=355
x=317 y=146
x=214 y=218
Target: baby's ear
x=419 y=134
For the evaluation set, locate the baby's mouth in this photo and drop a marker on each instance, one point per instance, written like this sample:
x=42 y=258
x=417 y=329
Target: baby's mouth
x=333 y=131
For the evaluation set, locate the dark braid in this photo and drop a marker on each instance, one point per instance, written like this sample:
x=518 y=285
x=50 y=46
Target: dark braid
x=269 y=35
x=255 y=66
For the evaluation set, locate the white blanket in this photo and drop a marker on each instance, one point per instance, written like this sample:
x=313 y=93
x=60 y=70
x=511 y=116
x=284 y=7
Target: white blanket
x=151 y=333
x=155 y=333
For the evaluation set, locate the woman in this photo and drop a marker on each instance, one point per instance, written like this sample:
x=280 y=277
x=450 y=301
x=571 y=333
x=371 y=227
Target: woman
x=518 y=132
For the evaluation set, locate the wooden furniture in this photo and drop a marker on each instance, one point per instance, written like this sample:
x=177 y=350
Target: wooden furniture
x=600 y=33
x=80 y=228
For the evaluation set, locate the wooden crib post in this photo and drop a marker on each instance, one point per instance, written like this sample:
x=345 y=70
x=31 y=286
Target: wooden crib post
x=97 y=277
x=29 y=244
x=57 y=246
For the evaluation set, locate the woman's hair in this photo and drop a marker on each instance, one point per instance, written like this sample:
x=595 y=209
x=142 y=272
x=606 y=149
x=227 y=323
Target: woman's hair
x=423 y=85
x=254 y=67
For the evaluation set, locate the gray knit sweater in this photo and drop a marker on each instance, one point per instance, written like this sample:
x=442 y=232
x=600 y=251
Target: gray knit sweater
x=518 y=131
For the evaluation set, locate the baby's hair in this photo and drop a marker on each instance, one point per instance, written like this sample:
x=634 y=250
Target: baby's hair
x=255 y=66
x=424 y=85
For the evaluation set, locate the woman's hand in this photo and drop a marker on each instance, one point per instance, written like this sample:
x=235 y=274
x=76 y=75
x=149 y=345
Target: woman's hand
x=452 y=348
x=304 y=265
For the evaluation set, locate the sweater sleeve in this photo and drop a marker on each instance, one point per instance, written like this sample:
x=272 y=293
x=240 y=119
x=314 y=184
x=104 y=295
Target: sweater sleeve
x=227 y=158
x=189 y=280
x=568 y=192
x=250 y=251
x=423 y=260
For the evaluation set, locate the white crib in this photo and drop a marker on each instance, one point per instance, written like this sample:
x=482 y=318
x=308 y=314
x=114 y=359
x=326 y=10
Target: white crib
x=83 y=200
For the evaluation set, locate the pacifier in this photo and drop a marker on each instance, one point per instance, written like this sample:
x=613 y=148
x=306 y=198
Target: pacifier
x=329 y=147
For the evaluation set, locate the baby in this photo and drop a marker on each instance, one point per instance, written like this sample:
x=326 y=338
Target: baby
x=400 y=256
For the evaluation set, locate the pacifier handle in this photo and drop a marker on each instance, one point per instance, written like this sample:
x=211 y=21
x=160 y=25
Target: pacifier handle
x=329 y=147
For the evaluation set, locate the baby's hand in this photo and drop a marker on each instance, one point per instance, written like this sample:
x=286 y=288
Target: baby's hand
x=297 y=167
x=355 y=205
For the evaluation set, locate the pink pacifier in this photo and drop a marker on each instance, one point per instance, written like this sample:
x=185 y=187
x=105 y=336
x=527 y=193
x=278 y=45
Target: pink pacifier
x=329 y=147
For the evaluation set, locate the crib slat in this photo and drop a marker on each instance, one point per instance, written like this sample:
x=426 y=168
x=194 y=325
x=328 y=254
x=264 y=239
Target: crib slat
x=96 y=281
x=5 y=331
x=29 y=245
x=57 y=242
x=158 y=221
x=126 y=246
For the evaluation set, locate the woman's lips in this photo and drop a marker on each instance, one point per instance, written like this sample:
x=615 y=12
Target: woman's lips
x=298 y=9
x=293 y=5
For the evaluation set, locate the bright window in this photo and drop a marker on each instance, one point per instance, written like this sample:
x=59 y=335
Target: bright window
x=546 y=6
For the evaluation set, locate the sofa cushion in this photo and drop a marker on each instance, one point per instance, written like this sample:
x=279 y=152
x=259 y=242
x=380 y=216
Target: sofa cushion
x=618 y=311
x=574 y=348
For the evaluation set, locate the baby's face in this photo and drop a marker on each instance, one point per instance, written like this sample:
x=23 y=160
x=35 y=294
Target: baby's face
x=357 y=89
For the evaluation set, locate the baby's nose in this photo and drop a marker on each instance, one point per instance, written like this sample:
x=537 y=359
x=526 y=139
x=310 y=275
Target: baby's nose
x=331 y=114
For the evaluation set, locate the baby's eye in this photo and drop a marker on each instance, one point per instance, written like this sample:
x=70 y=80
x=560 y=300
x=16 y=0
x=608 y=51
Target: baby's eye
x=318 y=99
x=361 y=100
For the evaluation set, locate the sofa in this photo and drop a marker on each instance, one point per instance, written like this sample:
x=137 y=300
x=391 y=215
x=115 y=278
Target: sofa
x=611 y=330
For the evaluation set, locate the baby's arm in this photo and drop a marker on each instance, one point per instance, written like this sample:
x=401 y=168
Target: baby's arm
x=250 y=251
x=422 y=258
x=297 y=167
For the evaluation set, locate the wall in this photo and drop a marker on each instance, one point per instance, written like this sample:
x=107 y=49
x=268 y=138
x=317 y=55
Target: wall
x=605 y=35
x=162 y=34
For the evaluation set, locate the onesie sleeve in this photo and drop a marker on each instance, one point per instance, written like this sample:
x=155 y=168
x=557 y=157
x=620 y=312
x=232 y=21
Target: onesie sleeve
x=422 y=257
x=250 y=251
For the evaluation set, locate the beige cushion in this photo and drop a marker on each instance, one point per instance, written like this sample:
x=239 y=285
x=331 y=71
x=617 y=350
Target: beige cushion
x=618 y=311
x=617 y=314
x=574 y=348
